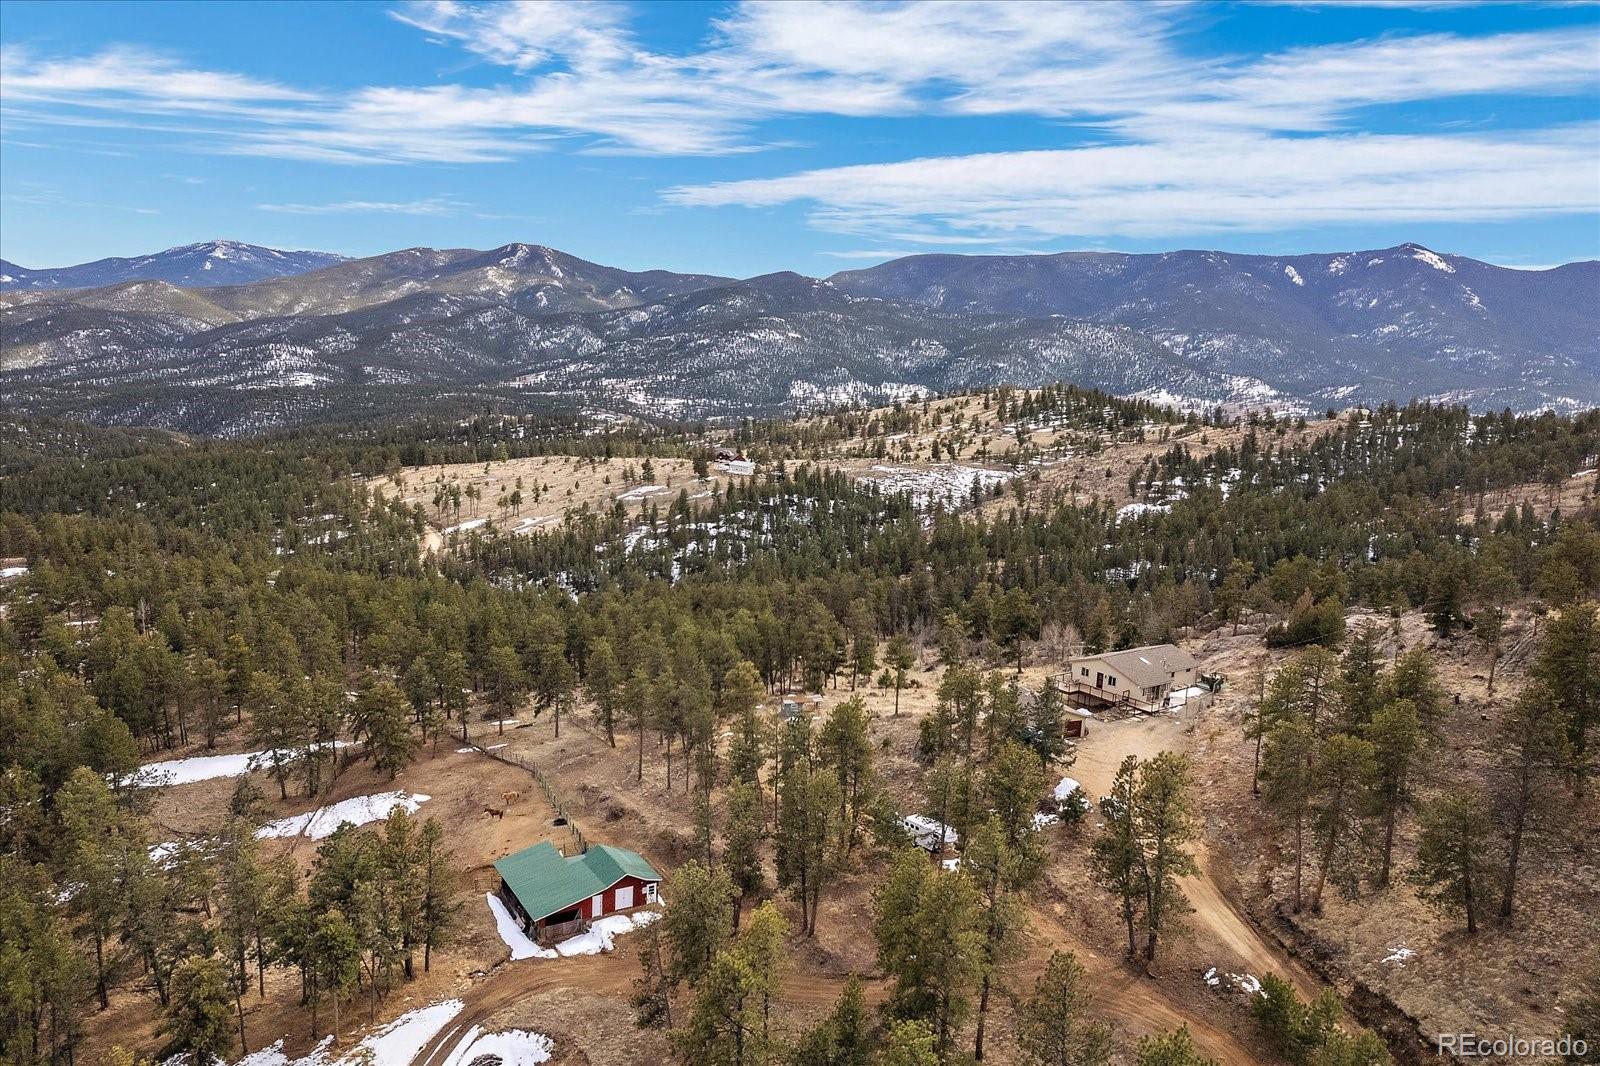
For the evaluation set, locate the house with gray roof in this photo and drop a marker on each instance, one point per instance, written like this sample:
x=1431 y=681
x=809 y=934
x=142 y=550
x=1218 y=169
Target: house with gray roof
x=1138 y=678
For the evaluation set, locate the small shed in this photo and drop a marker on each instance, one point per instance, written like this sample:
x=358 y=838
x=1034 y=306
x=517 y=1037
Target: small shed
x=554 y=896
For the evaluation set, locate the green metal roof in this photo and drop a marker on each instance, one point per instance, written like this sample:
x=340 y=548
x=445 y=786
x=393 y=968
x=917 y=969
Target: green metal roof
x=546 y=882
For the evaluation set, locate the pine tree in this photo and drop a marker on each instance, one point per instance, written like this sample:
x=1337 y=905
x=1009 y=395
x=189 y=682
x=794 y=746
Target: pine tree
x=743 y=834
x=439 y=907
x=1568 y=662
x=1454 y=867
x=1053 y=1027
x=1396 y=736
x=911 y=1042
x=1288 y=787
x=1118 y=853
x=899 y=658
x=200 y=1016
x=386 y=714
x=1165 y=821
x=604 y=682
x=845 y=747
x=695 y=927
x=843 y=1038
x=1533 y=745
x=1345 y=772
x=1175 y=1047
x=89 y=821
x=929 y=926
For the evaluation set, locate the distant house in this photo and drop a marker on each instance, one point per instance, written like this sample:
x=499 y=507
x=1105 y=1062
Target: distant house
x=554 y=896
x=1141 y=678
x=740 y=467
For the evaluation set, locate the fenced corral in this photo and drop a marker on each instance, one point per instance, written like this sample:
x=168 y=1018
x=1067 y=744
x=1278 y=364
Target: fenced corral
x=563 y=819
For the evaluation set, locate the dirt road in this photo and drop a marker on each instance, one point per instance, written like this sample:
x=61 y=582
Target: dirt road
x=1218 y=917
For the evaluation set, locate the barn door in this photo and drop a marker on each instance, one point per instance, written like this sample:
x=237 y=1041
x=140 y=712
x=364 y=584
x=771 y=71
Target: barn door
x=597 y=905
x=624 y=897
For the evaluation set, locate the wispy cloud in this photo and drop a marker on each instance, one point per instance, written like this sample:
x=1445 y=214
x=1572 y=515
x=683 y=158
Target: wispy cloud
x=1190 y=141
x=431 y=206
x=1149 y=189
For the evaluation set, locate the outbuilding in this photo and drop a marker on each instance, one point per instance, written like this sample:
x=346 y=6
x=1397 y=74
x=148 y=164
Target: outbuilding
x=554 y=896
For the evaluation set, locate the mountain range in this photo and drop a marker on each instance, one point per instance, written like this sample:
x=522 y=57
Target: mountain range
x=533 y=324
x=195 y=265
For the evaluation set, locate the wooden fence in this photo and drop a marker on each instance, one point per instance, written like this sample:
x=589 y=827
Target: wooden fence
x=532 y=769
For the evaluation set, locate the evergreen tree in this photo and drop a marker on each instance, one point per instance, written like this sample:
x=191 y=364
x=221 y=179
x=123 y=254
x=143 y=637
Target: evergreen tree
x=1165 y=821
x=1396 y=736
x=1118 y=853
x=929 y=926
x=1533 y=744
x=1455 y=865
x=695 y=927
x=899 y=658
x=1288 y=787
x=1053 y=1026
x=1175 y=1047
x=1345 y=772
x=200 y=1015
x=604 y=682
x=843 y=1038
x=743 y=834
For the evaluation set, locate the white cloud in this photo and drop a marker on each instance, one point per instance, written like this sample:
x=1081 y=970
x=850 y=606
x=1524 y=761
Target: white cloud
x=525 y=35
x=1244 y=182
x=1194 y=142
x=130 y=74
x=432 y=206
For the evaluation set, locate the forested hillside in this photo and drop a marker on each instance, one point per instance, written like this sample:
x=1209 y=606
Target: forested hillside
x=300 y=596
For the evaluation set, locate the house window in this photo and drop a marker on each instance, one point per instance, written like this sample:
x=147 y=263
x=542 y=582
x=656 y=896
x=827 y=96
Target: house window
x=1111 y=681
x=1083 y=671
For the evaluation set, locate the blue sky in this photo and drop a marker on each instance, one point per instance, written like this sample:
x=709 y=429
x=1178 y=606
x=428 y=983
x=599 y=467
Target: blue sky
x=744 y=138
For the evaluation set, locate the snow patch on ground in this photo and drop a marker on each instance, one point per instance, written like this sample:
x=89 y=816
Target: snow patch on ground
x=1065 y=788
x=1293 y=275
x=1398 y=956
x=206 y=767
x=1134 y=510
x=513 y=1047
x=511 y=933
x=948 y=485
x=1245 y=983
x=359 y=810
x=397 y=1043
x=394 y=1044
x=603 y=932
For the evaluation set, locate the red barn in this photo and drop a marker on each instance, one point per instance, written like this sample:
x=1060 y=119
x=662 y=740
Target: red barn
x=553 y=896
